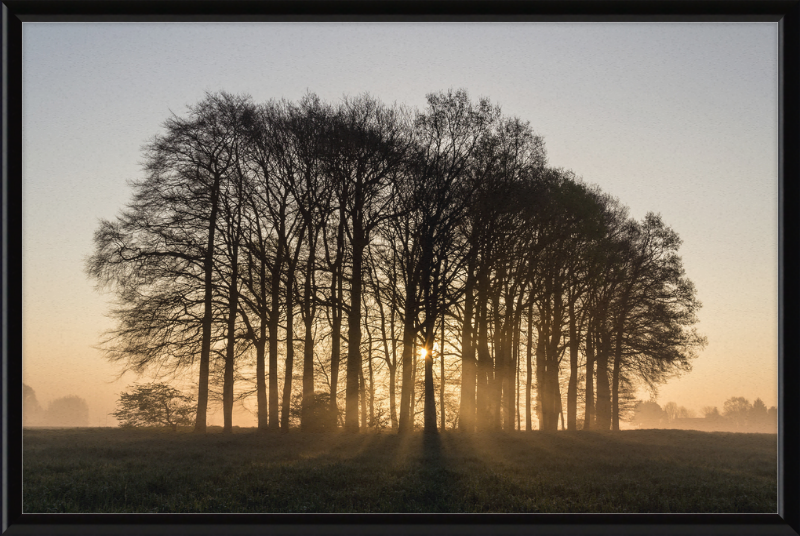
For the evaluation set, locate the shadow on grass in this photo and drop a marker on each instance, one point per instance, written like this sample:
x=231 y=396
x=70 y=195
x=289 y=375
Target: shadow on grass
x=411 y=475
x=437 y=489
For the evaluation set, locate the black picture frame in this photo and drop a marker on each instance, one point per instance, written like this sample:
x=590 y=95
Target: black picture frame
x=15 y=12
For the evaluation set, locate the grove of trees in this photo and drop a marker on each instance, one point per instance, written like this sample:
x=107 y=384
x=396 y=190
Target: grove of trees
x=68 y=411
x=384 y=266
x=738 y=415
x=741 y=414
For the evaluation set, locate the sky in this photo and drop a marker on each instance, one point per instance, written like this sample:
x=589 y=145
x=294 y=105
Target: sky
x=679 y=119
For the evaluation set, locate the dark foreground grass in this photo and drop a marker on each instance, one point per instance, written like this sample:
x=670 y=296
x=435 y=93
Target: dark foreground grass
x=116 y=470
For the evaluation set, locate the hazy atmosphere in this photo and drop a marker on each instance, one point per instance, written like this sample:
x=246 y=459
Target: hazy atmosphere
x=675 y=119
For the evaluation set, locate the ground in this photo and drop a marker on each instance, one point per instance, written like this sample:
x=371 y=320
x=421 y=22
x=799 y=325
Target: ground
x=152 y=470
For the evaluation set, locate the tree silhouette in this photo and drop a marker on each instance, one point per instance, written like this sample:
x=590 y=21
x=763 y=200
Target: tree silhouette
x=737 y=409
x=393 y=233
x=155 y=404
x=649 y=414
x=159 y=255
x=31 y=410
x=367 y=147
x=70 y=410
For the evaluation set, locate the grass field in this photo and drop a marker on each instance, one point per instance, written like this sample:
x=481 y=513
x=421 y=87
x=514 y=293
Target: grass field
x=118 y=470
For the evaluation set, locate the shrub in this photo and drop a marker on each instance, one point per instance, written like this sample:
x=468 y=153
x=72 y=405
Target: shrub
x=155 y=404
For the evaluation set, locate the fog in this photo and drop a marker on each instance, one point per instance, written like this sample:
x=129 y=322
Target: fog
x=66 y=411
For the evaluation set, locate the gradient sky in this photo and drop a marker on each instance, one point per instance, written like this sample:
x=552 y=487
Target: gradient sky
x=674 y=118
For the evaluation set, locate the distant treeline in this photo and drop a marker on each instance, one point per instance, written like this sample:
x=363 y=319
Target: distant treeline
x=428 y=251
x=738 y=415
x=65 y=411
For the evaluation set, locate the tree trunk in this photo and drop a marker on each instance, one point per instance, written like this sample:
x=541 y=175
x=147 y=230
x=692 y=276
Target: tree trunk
x=205 y=345
x=572 y=388
x=413 y=408
x=509 y=375
x=512 y=404
x=615 y=379
x=337 y=295
x=354 y=362
x=393 y=395
x=541 y=364
x=516 y=377
x=429 y=408
x=552 y=407
x=234 y=226
x=287 y=380
x=603 y=408
x=499 y=378
x=308 y=343
x=441 y=379
x=429 y=422
x=485 y=366
x=529 y=375
x=393 y=373
x=466 y=415
x=274 y=321
x=227 y=384
x=273 y=368
x=407 y=359
x=363 y=397
x=261 y=380
x=391 y=358
x=588 y=418
x=371 y=421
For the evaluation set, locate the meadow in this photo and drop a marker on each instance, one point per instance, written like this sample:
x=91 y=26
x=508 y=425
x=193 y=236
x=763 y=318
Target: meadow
x=150 y=470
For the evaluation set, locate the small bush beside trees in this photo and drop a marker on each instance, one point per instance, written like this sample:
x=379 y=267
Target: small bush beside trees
x=155 y=404
x=319 y=414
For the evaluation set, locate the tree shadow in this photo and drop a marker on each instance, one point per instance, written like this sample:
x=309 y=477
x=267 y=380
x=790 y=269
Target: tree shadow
x=416 y=475
x=433 y=486
x=437 y=481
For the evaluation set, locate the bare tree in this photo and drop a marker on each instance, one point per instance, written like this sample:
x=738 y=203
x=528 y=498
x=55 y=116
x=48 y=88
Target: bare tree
x=159 y=254
x=367 y=149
